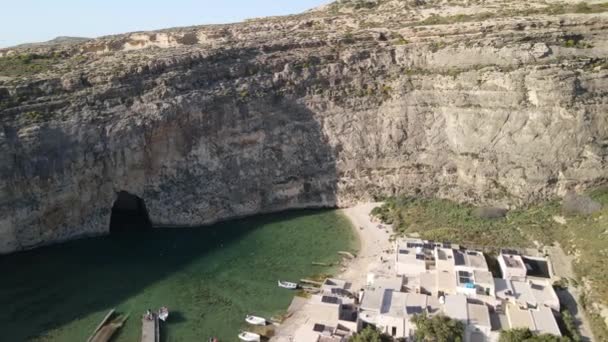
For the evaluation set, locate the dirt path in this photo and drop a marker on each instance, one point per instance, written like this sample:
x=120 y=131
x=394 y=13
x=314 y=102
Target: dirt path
x=562 y=268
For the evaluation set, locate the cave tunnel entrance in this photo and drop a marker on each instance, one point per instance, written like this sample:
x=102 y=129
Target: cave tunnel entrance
x=129 y=213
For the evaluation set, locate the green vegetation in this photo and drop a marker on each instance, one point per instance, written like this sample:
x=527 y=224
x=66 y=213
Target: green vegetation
x=582 y=235
x=369 y=334
x=438 y=328
x=581 y=44
x=525 y=335
x=27 y=64
x=34 y=116
x=570 y=325
x=444 y=220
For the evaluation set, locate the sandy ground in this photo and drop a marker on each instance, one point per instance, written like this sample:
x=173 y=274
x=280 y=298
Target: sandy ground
x=373 y=244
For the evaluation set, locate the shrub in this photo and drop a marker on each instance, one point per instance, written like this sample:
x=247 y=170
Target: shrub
x=370 y=334
x=26 y=64
x=438 y=328
x=571 y=329
x=35 y=116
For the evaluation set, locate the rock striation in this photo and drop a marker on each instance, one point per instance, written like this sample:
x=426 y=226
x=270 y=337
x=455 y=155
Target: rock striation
x=493 y=102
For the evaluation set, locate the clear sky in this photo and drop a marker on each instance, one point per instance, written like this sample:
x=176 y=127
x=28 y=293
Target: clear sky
x=24 y=21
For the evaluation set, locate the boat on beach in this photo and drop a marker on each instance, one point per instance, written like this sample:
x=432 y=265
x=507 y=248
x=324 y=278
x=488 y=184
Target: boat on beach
x=255 y=320
x=249 y=337
x=108 y=327
x=163 y=313
x=287 y=285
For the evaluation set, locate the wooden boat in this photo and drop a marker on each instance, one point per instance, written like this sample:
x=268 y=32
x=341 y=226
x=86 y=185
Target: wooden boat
x=249 y=337
x=163 y=313
x=255 y=320
x=108 y=326
x=288 y=285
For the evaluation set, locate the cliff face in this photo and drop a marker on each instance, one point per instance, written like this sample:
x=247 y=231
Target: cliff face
x=493 y=104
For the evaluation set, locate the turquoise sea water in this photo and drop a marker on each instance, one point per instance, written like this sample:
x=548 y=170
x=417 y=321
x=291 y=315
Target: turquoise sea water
x=209 y=277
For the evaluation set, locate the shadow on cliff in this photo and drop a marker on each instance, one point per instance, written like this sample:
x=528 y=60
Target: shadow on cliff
x=56 y=286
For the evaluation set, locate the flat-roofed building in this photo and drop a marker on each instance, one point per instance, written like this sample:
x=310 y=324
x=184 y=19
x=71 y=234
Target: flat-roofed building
x=392 y=283
x=444 y=259
x=391 y=319
x=484 y=281
x=479 y=327
x=544 y=321
x=415 y=303
x=410 y=258
x=372 y=299
x=511 y=265
x=456 y=307
x=319 y=332
x=446 y=283
x=544 y=294
x=518 y=317
x=476 y=317
x=540 y=321
x=469 y=260
x=331 y=284
x=391 y=311
x=428 y=283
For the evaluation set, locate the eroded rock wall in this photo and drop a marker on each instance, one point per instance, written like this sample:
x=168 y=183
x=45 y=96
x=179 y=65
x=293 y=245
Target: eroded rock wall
x=313 y=110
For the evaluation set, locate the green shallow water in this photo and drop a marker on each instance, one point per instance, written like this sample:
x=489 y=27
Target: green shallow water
x=209 y=277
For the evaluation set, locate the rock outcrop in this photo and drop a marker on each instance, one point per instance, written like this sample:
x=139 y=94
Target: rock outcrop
x=501 y=103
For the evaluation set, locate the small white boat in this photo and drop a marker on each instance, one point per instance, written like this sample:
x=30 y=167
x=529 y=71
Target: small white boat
x=249 y=337
x=163 y=313
x=255 y=320
x=288 y=285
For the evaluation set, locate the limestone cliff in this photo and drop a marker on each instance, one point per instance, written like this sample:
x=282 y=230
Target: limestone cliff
x=493 y=101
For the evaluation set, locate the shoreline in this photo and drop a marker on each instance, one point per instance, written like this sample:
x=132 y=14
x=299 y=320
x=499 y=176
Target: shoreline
x=373 y=242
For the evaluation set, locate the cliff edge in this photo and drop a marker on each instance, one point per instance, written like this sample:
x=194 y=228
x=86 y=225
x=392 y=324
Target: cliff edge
x=500 y=102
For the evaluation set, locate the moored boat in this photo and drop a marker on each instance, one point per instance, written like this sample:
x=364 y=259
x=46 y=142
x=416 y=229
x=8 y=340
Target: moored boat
x=255 y=320
x=163 y=313
x=288 y=285
x=249 y=337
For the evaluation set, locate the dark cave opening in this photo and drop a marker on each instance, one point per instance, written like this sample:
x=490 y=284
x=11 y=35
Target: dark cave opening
x=129 y=213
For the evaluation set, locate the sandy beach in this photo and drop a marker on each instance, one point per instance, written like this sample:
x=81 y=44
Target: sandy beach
x=374 y=242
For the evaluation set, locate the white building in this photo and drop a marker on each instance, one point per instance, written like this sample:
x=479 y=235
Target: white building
x=527 y=294
x=512 y=265
x=469 y=261
x=410 y=257
x=440 y=277
x=391 y=311
x=479 y=326
x=540 y=321
x=318 y=332
x=476 y=317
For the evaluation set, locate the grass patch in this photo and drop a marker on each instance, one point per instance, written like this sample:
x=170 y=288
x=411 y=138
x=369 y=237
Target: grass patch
x=583 y=235
x=27 y=64
x=444 y=220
